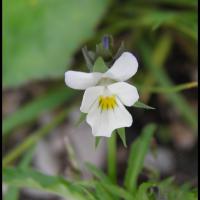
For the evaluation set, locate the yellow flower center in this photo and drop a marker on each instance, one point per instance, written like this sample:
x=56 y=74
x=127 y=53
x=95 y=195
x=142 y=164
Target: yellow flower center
x=107 y=102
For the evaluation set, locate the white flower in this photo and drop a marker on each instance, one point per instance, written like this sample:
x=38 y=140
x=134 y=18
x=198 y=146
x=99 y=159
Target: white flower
x=106 y=94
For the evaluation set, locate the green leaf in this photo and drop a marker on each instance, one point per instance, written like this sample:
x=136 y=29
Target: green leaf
x=102 y=193
x=41 y=44
x=139 y=104
x=118 y=191
x=122 y=134
x=142 y=191
x=81 y=119
x=138 y=152
x=113 y=189
x=99 y=65
x=168 y=188
x=29 y=178
x=35 y=108
x=12 y=193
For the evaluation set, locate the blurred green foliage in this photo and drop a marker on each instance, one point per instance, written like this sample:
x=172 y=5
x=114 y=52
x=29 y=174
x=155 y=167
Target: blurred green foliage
x=102 y=187
x=40 y=36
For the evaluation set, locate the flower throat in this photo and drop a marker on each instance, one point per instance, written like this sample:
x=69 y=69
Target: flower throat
x=107 y=103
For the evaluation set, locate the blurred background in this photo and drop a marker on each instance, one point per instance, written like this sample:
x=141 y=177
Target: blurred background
x=43 y=39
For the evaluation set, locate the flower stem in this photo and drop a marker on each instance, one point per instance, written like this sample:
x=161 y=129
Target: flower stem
x=112 y=149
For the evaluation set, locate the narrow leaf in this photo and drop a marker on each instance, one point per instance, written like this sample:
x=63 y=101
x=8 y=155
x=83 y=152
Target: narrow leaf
x=138 y=151
x=97 y=173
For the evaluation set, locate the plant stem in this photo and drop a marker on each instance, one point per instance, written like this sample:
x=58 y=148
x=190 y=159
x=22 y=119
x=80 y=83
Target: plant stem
x=112 y=149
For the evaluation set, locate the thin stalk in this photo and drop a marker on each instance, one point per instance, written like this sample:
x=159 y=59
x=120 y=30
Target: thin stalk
x=173 y=89
x=112 y=149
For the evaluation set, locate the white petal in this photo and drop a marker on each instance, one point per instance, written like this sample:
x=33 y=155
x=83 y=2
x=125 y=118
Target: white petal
x=103 y=123
x=123 y=68
x=127 y=93
x=90 y=96
x=81 y=80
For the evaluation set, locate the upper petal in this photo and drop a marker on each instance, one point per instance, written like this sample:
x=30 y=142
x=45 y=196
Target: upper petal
x=81 y=80
x=123 y=68
x=103 y=123
x=127 y=93
x=90 y=96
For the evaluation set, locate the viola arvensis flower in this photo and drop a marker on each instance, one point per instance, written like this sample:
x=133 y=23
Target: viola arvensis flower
x=106 y=94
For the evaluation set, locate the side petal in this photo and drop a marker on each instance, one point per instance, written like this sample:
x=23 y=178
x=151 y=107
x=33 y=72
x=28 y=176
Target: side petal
x=127 y=93
x=103 y=123
x=123 y=68
x=90 y=96
x=81 y=80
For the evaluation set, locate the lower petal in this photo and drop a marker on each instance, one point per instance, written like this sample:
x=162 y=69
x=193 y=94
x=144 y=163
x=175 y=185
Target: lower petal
x=103 y=123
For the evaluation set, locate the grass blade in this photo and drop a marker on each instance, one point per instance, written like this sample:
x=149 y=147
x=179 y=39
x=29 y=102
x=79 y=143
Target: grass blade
x=138 y=151
x=33 y=109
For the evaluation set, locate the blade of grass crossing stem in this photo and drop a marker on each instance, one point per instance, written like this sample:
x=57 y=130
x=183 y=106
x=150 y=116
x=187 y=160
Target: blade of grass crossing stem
x=118 y=191
x=90 y=196
x=12 y=192
x=97 y=173
x=161 y=77
x=35 y=137
x=138 y=151
x=102 y=193
x=112 y=150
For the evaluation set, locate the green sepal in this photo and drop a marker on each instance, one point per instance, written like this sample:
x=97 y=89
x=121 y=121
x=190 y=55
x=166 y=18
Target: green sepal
x=89 y=57
x=139 y=104
x=99 y=65
x=122 y=134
